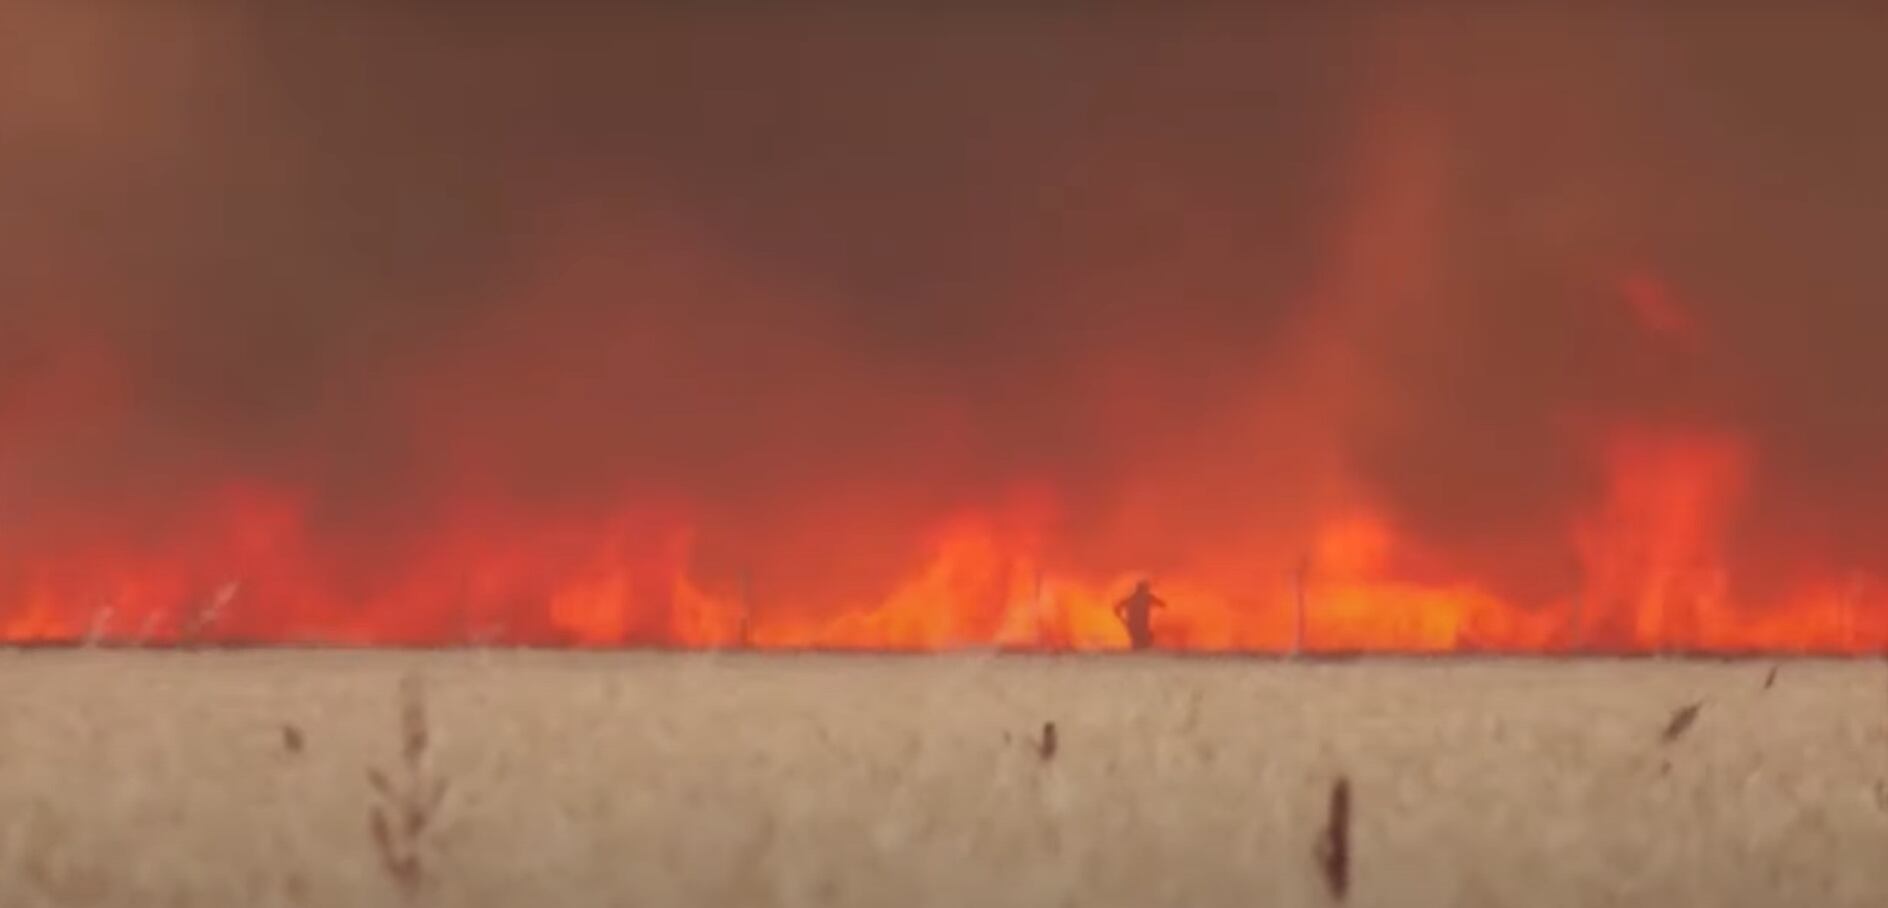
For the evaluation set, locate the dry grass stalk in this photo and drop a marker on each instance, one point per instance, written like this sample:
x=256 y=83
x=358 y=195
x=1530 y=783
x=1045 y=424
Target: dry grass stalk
x=408 y=805
x=1770 y=680
x=1047 y=745
x=1333 y=846
x=202 y=619
x=96 y=632
x=1681 y=722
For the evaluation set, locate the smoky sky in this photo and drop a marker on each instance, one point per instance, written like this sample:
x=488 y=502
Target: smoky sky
x=820 y=277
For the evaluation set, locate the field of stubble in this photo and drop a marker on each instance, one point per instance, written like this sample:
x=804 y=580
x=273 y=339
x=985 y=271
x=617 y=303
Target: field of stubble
x=253 y=779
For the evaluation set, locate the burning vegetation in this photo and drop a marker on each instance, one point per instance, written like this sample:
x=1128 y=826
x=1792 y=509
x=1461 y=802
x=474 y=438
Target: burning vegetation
x=926 y=330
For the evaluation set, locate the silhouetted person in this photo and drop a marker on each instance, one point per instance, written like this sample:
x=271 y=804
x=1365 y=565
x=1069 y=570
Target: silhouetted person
x=1133 y=614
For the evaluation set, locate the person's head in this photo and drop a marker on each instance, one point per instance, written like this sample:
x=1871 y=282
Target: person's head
x=1142 y=586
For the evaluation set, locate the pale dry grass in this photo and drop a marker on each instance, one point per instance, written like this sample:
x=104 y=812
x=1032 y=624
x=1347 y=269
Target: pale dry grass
x=242 y=779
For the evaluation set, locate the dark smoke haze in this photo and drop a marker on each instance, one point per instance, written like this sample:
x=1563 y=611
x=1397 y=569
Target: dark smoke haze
x=820 y=280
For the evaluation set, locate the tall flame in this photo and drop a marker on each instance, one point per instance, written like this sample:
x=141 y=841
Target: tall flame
x=1651 y=551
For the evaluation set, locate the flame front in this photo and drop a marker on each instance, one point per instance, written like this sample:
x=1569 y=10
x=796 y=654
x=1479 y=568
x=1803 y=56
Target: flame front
x=1651 y=551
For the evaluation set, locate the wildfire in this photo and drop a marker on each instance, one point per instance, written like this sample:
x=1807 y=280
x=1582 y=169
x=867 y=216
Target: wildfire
x=1348 y=332
x=1651 y=551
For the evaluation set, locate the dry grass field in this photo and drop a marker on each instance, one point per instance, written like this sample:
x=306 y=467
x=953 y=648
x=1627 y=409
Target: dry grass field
x=518 y=779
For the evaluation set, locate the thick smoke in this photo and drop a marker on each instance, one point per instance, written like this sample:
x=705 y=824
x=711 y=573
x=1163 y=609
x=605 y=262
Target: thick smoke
x=813 y=283
x=1724 y=154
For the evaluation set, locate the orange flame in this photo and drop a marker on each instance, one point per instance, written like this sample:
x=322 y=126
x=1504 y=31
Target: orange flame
x=1651 y=551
